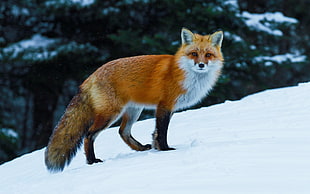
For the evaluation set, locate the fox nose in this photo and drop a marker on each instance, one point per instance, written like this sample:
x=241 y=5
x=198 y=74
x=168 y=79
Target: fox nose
x=201 y=65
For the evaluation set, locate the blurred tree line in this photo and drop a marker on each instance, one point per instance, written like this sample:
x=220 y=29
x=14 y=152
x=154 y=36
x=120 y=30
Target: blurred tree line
x=49 y=47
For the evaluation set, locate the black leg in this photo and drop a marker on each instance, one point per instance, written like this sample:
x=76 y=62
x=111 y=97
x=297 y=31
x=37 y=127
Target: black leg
x=89 y=149
x=160 y=134
x=99 y=124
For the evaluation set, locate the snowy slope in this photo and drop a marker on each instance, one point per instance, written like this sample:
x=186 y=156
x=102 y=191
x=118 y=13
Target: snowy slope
x=260 y=144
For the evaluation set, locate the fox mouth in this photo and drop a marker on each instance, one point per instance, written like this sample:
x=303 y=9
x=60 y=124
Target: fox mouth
x=200 y=67
x=200 y=70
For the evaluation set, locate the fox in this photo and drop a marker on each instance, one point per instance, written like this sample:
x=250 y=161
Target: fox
x=122 y=88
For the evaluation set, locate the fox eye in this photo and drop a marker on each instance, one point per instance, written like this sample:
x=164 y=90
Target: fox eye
x=195 y=54
x=208 y=55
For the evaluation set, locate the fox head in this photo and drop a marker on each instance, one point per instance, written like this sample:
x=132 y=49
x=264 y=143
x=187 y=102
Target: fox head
x=199 y=53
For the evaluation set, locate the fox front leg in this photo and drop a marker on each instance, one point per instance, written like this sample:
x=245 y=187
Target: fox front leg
x=160 y=135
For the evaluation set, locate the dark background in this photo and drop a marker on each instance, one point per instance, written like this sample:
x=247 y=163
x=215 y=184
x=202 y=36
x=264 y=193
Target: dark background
x=48 y=47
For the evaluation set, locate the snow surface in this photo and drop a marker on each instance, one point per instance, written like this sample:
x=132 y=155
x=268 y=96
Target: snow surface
x=260 y=144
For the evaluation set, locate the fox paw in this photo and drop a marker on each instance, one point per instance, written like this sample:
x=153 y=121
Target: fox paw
x=167 y=149
x=96 y=160
x=161 y=146
x=147 y=147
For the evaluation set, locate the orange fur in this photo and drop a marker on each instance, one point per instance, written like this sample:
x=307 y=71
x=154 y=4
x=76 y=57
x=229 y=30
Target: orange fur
x=148 y=79
x=124 y=86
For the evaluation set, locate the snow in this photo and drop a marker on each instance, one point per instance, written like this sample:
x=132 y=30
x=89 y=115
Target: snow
x=233 y=37
x=263 y=22
x=39 y=47
x=109 y=10
x=19 y=11
x=232 y=5
x=281 y=58
x=130 y=2
x=37 y=41
x=259 y=144
x=9 y=132
x=82 y=3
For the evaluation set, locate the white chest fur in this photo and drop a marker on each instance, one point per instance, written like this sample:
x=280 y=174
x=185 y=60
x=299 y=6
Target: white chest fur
x=196 y=84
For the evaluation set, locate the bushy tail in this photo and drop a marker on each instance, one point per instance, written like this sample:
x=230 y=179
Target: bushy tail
x=68 y=134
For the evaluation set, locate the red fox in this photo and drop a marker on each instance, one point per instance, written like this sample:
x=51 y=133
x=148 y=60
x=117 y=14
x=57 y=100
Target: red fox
x=123 y=87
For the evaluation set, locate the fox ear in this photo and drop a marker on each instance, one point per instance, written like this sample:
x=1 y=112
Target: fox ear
x=217 y=38
x=187 y=36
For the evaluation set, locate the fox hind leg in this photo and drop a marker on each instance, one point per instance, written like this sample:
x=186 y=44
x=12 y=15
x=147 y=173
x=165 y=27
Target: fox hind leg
x=100 y=123
x=130 y=116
